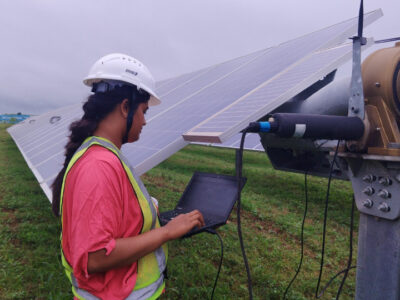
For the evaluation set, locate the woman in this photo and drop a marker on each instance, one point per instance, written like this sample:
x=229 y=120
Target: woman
x=112 y=244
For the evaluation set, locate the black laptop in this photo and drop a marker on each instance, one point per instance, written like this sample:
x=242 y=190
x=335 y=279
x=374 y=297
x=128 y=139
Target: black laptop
x=213 y=195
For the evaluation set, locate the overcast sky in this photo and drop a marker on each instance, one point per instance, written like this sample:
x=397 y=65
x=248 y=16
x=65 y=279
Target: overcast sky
x=48 y=46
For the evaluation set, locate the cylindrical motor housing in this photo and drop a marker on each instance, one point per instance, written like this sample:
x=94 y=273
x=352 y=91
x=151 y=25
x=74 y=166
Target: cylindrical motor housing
x=381 y=77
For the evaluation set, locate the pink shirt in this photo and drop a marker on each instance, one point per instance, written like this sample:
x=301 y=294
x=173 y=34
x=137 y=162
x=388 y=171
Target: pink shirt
x=99 y=207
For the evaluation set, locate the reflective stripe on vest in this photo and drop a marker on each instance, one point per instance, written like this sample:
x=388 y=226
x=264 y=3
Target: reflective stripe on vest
x=150 y=277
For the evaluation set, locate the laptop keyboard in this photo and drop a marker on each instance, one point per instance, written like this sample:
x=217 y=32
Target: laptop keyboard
x=165 y=217
x=169 y=215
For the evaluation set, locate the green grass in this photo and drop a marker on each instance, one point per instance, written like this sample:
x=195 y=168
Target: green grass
x=273 y=204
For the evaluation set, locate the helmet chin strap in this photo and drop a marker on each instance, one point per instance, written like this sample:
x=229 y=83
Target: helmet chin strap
x=132 y=99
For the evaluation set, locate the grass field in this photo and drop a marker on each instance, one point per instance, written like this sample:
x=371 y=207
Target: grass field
x=273 y=204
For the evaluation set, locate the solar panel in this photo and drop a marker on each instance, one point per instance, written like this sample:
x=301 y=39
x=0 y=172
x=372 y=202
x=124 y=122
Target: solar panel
x=186 y=101
x=269 y=95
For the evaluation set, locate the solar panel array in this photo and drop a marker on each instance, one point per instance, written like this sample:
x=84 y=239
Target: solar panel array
x=188 y=100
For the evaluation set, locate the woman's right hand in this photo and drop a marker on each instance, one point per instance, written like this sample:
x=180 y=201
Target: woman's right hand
x=183 y=223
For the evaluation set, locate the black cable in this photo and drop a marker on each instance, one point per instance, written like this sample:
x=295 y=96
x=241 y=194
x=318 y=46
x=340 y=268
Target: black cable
x=301 y=236
x=349 y=267
x=325 y=220
x=350 y=249
x=212 y=231
x=333 y=278
x=387 y=40
x=239 y=227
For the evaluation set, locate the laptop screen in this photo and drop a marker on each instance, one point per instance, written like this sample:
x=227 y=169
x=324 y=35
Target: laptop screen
x=213 y=194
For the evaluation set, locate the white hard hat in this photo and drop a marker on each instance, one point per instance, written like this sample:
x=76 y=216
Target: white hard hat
x=121 y=67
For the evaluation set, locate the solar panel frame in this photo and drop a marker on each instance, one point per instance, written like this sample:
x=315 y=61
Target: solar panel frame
x=252 y=143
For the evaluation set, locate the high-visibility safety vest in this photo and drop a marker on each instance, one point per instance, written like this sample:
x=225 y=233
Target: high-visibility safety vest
x=150 y=277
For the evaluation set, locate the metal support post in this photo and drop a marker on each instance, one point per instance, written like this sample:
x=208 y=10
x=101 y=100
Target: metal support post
x=376 y=185
x=378 y=261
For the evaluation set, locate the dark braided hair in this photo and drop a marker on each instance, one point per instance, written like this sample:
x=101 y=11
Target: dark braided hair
x=95 y=109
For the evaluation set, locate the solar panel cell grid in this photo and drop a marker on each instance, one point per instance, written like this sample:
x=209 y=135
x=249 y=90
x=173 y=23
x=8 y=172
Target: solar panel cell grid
x=167 y=85
x=191 y=88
